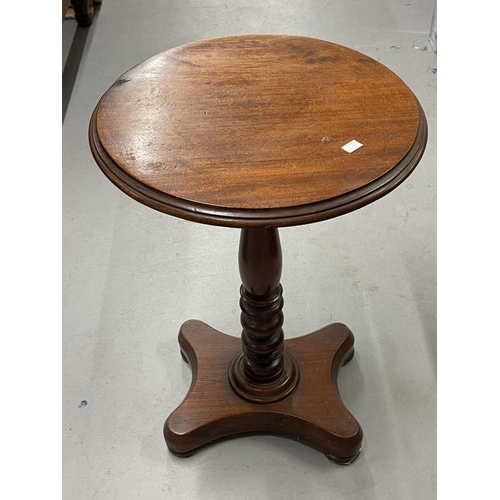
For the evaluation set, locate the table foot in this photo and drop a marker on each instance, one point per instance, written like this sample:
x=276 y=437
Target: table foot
x=312 y=413
x=343 y=461
x=348 y=357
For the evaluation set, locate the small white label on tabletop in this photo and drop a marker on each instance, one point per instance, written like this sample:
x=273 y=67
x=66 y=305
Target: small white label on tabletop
x=350 y=147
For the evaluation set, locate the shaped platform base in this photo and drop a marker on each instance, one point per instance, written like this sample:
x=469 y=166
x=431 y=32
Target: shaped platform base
x=313 y=413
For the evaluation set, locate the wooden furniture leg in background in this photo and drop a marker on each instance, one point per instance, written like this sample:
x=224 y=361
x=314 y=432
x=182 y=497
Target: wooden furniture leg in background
x=84 y=12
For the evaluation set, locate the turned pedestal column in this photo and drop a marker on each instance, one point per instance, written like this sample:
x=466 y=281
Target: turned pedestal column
x=262 y=373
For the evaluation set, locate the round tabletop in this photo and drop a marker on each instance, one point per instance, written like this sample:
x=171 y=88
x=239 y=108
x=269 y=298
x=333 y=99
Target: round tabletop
x=258 y=131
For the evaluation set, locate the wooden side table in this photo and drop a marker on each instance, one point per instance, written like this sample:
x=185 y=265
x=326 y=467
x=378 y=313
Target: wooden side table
x=259 y=132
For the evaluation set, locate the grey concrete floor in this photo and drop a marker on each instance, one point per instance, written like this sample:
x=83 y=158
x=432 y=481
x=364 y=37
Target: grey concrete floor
x=132 y=276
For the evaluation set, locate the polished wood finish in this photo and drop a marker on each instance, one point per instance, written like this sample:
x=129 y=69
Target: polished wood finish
x=313 y=413
x=261 y=372
x=247 y=131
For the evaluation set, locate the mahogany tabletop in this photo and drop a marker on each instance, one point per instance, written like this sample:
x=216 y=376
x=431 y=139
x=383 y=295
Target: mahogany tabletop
x=249 y=131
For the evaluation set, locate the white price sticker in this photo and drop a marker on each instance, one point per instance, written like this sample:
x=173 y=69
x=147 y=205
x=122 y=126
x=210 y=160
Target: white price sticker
x=350 y=147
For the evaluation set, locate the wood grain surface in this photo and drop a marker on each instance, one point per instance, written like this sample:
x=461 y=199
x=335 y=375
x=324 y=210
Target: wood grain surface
x=313 y=413
x=248 y=131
